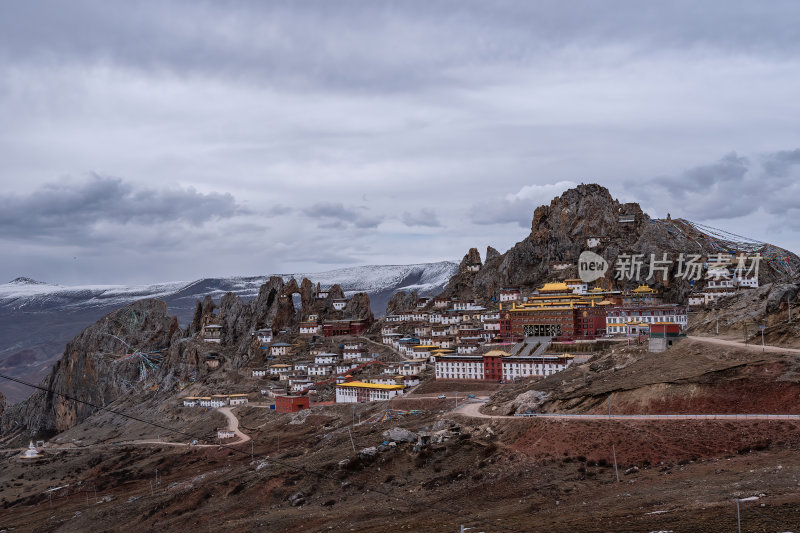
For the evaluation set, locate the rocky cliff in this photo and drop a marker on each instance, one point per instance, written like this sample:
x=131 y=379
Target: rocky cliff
x=141 y=348
x=402 y=301
x=358 y=307
x=97 y=367
x=587 y=217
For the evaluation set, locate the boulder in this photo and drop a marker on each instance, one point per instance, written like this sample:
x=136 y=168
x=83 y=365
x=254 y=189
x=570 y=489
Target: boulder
x=398 y=434
x=368 y=453
x=779 y=294
x=297 y=499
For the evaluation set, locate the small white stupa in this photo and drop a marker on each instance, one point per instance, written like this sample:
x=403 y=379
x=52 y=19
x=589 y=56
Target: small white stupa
x=31 y=452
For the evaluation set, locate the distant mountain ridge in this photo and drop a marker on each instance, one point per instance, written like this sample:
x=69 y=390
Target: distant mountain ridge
x=39 y=318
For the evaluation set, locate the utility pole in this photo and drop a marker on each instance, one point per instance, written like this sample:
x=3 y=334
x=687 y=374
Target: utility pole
x=353 y=444
x=738 y=516
x=251 y=450
x=456 y=400
x=616 y=470
x=717 y=317
x=762 y=337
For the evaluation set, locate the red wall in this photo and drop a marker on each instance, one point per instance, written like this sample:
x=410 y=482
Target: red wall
x=291 y=404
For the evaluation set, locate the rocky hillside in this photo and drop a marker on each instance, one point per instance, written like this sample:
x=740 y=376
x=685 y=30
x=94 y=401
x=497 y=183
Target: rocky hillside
x=587 y=217
x=94 y=368
x=141 y=347
x=739 y=316
x=691 y=377
x=37 y=319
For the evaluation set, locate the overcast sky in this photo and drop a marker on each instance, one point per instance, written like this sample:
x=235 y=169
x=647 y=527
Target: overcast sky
x=155 y=141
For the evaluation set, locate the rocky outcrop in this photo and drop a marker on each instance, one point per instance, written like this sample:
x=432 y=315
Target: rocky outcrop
x=779 y=295
x=402 y=301
x=96 y=368
x=461 y=285
x=491 y=253
x=358 y=307
x=335 y=292
x=99 y=365
x=398 y=434
x=587 y=217
x=307 y=297
x=2 y=403
x=470 y=261
x=205 y=309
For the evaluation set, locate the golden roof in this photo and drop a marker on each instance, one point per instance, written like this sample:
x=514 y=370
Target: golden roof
x=556 y=286
x=643 y=289
x=497 y=353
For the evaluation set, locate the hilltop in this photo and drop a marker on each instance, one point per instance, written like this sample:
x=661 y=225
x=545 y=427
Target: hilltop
x=587 y=217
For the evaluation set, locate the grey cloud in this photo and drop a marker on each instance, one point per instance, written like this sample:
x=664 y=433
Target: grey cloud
x=278 y=210
x=407 y=44
x=337 y=215
x=318 y=104
x=330 y=210
x=728 y=171
x=516 y=208
x=731 y=187
x=779 y=164
x=368 y=222
x=72 y=209
x=503 y=211
x=424 y=217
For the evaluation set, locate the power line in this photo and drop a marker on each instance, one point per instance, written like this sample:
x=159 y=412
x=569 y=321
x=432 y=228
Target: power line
x=319 y=473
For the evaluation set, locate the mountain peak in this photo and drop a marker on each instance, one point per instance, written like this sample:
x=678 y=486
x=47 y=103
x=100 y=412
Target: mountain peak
x=25 y=281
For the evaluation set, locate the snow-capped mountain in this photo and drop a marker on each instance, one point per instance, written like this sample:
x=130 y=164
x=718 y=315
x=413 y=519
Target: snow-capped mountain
x=37 y=319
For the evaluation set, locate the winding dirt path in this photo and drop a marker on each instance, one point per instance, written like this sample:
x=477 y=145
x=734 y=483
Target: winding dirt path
x=472 y=409
x=735 y=344
x=233 y=425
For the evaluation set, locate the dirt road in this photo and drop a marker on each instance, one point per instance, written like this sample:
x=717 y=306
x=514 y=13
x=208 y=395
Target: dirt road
x=233 y=425
x=736 y=344
x=473 y=409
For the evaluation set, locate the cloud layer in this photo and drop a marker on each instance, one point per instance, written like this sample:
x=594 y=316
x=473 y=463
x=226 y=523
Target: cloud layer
x=732 y=188
x=255 y=137
x=75 y=209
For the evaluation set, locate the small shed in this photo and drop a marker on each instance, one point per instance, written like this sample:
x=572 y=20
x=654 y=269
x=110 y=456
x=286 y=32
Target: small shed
x=291 y=403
